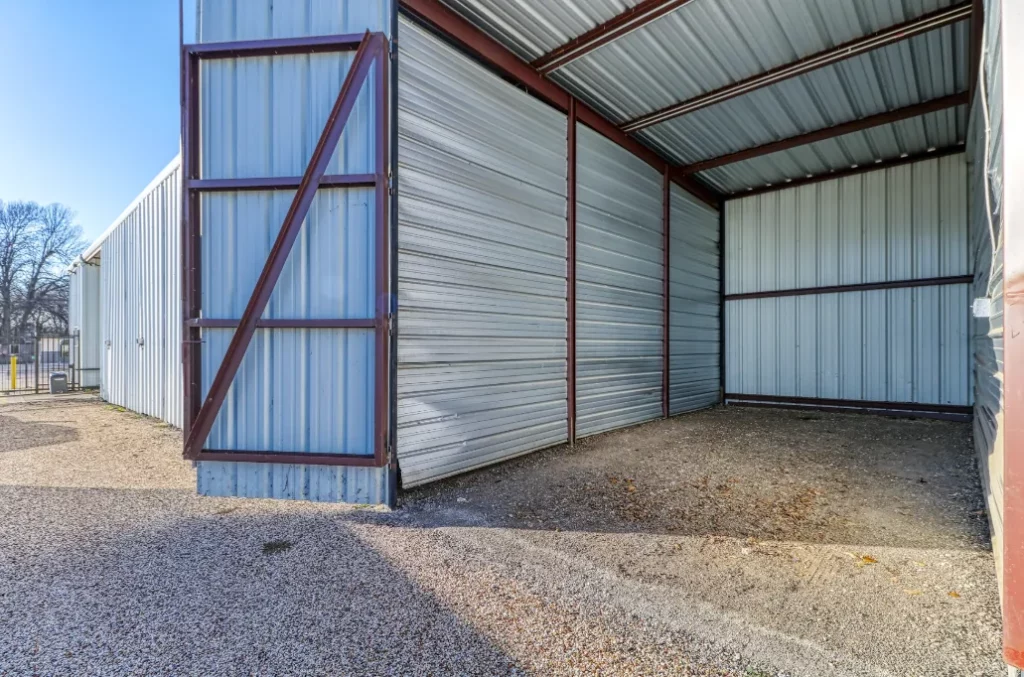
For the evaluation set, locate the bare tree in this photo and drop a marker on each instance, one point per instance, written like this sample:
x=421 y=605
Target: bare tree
x=36 y=244
x=55 y=241
x=16 y=223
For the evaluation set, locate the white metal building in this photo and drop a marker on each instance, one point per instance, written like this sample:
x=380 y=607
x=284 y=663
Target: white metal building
x=125 y=304
x=540 y=221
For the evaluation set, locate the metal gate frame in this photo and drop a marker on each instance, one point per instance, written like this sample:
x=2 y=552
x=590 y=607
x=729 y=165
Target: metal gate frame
x=199 y=415
x=31 y=374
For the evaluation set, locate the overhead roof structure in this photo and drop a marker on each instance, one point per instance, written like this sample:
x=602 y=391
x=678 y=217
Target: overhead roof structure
x=744 y=95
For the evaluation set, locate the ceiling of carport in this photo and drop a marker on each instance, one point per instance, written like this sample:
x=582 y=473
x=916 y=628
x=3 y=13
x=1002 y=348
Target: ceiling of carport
x=703 y=45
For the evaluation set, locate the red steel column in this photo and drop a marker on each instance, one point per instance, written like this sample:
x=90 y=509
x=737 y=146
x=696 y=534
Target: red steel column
x=191 y=336
x=570 y=268
x=382 y=313
x=666 y=237
x=1013 y=333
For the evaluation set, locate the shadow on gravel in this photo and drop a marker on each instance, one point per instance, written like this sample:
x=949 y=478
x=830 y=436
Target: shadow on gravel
x=216 y=594
x=16 y=435
x=762 y=474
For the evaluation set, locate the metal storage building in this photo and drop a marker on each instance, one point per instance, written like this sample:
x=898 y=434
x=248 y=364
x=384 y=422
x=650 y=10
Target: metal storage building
x=418 y=237
x=125 y=303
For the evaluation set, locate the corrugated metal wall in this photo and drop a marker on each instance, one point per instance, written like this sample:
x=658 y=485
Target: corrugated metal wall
x=296 y=390
x=482 y=246
x=140 y=304
x=986 y=227
x=694 y=304
x=84 y=320
x=619 y=279
x=901 y=345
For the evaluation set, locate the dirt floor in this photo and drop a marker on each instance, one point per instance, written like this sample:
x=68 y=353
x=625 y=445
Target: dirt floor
x=733 y=541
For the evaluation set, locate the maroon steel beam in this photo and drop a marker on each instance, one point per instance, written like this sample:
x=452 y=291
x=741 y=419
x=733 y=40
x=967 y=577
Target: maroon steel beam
x=844 y=288
x=666 y=289
x=276 y=46
x=889 y=117
x=851 y=407
x=570 y=269
x=498 y=57
x=721 y=301
x=332 y=323
x=630 y=20
x=853 y=171
x=382 y=331
x=1013 y=331
x=887 y=36
x=349 y=460
x=191 y=259
x=279 y=183
x=371 y=46
x=836 y=402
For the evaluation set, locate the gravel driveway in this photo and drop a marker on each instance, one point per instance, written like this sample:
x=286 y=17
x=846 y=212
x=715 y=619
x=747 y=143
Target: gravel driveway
x=728 y=542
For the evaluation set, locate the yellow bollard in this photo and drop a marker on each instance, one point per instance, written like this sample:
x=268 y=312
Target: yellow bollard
x=14 y=372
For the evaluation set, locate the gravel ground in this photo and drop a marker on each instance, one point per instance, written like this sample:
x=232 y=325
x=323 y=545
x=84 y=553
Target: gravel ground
x=729 y=542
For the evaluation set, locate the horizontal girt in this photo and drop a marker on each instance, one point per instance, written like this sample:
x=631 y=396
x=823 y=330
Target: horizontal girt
x=929 y=22
x=841 y=129
x=611 y=30
x=276 y=46
x=856 y=169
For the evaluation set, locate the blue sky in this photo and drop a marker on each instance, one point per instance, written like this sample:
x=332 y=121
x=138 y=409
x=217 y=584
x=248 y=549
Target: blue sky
x=89 y=111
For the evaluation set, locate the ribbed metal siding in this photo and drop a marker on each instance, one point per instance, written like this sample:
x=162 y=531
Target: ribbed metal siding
x=988 y=280
x=228 y=20
x=707 y=45
x=327 y=484
x=919 y=69
x=619 y=278
x=296 y=390
x=140 y=305
x=482 y=227
x=694 y=304
x=898 y=345
x=907 y=345
x=84 y=320
x=531 y=28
